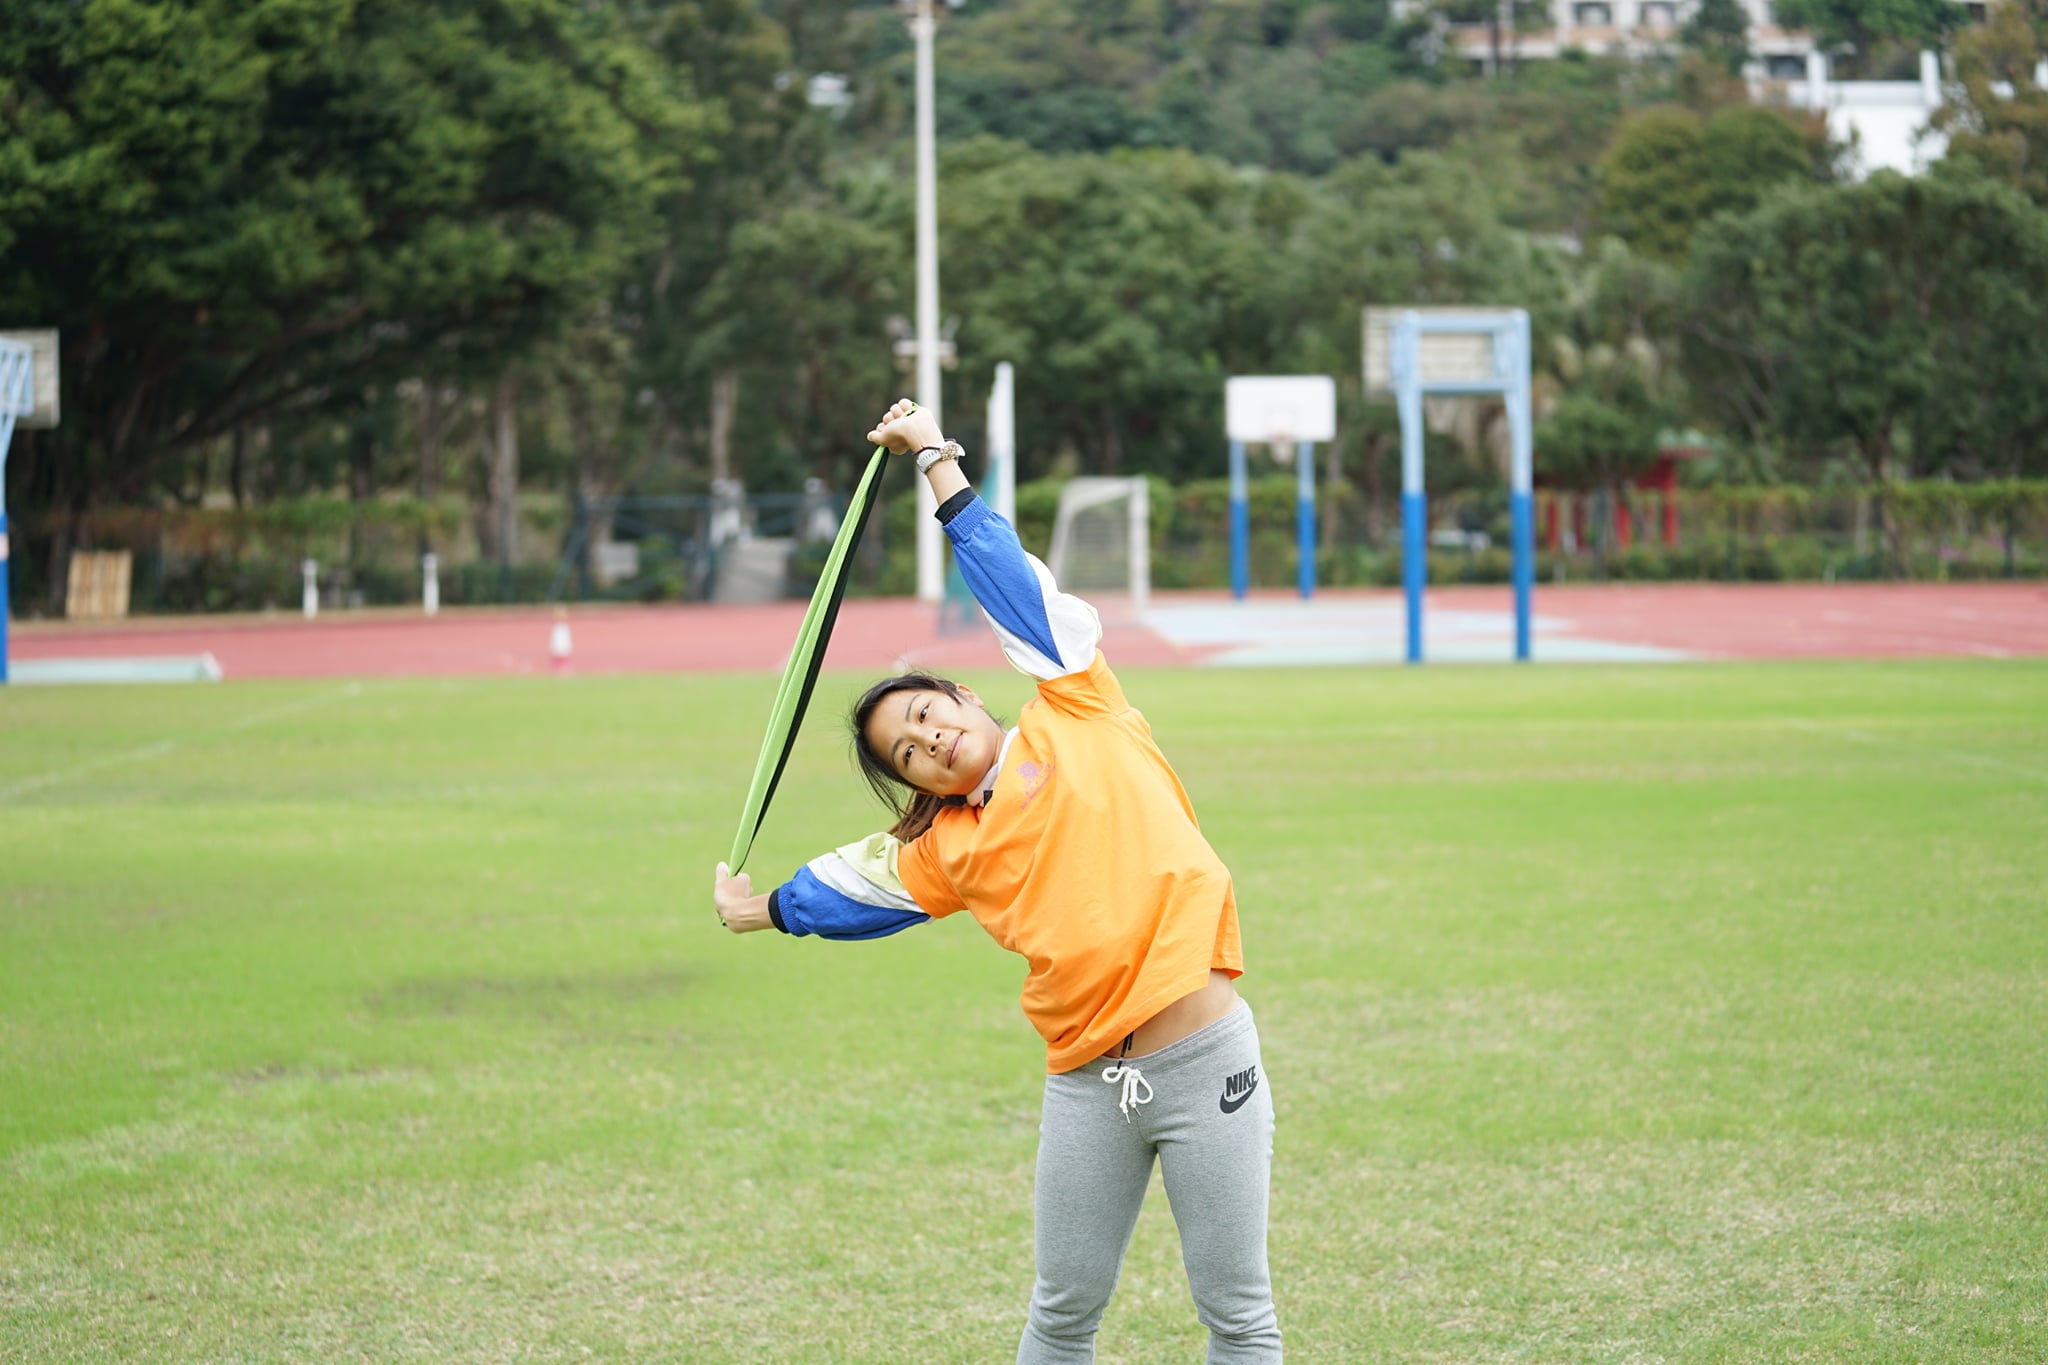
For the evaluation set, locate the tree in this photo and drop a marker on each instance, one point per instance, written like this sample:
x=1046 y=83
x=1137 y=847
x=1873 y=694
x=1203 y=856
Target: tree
x=1996 y=115
x=1865 y=25
x=1609 y=368
x=1719 y=31
x=1667 y=171
x=1532 y=136
x=1129 y=282
x=645 y=390
x=800 y=306
x=1653 y=182
x=242 y=209
x=1900 y=318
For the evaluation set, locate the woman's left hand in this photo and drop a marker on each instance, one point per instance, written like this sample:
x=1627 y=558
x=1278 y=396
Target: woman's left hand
x=906 y=427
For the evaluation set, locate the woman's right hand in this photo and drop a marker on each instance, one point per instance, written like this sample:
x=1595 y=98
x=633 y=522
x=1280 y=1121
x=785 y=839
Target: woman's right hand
x=739 y=909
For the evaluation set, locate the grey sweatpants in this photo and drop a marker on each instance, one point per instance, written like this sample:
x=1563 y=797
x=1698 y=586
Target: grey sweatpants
x=1210 y=1122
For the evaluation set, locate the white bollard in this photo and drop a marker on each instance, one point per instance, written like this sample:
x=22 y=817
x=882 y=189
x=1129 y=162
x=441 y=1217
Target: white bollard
x=430 y=583
x=309 y=570
x=559 y=643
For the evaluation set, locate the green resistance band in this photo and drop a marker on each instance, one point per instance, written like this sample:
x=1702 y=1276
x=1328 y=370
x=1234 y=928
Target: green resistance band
x=801 y=675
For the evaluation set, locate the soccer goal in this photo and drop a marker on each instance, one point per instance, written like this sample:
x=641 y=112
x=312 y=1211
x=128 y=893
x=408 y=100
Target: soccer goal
x=1101 y=539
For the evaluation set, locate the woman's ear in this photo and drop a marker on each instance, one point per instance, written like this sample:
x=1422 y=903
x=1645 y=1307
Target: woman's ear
x=967 y=695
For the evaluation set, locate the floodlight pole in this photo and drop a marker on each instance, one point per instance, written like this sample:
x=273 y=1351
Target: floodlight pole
x=931 y=555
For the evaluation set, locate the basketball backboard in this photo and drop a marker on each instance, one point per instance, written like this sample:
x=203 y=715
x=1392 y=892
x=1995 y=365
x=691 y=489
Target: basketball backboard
x=42 y=344
x=1280 y=407
x=1444 y=356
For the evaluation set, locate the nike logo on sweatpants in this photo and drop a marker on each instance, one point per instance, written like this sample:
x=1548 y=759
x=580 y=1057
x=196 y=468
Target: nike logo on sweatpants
x=1238 y=1088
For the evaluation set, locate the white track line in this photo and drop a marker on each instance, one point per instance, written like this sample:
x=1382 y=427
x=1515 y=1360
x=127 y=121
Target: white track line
x=1938 y=750
x=159 y=748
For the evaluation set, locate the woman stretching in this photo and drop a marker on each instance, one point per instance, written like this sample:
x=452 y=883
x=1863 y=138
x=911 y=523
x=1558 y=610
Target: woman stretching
x=1071 y=841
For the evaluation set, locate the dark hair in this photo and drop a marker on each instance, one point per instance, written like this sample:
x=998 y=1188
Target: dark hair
x=915 y=810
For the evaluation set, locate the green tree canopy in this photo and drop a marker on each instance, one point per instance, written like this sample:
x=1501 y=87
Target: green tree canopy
x=238 y=209
x=1668 y=171
x=1865 y=25
x=1719 y=30
x=1997 y=116
x=1609 y=366
x=1902 y=319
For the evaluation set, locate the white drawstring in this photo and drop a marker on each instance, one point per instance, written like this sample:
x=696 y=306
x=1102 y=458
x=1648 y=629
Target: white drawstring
x=1132 y=1079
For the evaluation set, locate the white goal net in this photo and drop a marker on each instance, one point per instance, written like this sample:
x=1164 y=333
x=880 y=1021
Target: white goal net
x=1101 y=540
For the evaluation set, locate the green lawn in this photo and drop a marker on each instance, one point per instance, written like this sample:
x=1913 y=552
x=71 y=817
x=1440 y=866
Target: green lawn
x=1633 y=1014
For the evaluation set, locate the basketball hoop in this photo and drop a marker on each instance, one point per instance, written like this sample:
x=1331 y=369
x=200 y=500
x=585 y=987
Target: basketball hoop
x=1287 y=413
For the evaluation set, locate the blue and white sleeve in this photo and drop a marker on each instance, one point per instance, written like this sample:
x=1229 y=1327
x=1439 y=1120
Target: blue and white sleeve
x=849 y=893
x=1045 y=633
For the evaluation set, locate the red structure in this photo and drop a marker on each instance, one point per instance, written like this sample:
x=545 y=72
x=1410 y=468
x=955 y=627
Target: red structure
x=1660 y=478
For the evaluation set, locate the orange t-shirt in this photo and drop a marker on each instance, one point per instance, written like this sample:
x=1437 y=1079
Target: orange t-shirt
x=1088 y=861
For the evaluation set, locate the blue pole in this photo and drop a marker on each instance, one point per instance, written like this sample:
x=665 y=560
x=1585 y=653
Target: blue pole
x=1404 y=347
x=17 y=395
x=6 y=593
x=1522 y=511
x=1522 y=499
x=1305 y=515
x=1414 y=565
x=1240 y=524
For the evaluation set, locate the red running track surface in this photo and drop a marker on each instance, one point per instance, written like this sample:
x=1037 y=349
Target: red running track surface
x=1726 y=621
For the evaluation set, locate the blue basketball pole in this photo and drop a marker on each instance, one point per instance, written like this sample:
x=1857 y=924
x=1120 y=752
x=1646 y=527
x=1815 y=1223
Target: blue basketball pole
x=1305 y=515
x=1240 y=524
x=1414 y=504
x=17 y=397
x=1521 y=494
x=6 y=590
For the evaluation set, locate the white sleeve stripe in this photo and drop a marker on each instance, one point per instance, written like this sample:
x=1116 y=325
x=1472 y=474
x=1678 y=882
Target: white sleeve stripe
x=1076 y=631
x=841 y=876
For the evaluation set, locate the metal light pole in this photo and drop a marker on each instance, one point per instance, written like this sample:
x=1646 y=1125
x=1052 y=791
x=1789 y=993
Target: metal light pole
x=931 y=549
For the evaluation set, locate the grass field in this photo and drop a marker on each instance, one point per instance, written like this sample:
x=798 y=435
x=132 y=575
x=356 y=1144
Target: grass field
x=1644 y=1014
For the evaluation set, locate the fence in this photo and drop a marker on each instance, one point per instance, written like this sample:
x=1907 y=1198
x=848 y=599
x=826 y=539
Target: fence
x=697 y=548
x=1919 y=531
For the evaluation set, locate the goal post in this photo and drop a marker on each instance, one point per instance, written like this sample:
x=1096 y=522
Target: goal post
x=1102 y=539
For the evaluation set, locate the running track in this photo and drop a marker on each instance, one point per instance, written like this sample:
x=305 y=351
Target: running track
x=1714 y=621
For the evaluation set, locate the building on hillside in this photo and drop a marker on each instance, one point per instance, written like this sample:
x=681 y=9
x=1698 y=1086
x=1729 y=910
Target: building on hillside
x=1885 y=125
x=1623 y=28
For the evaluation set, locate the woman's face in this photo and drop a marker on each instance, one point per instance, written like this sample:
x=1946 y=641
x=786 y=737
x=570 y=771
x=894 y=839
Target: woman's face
x=932 y=741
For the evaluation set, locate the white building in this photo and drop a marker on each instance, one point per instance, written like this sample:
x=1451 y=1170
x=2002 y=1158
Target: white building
x=1886 y=125
x=1631 y=28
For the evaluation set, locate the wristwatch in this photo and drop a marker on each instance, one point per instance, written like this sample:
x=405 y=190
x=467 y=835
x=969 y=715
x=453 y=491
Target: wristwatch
x=931 y=455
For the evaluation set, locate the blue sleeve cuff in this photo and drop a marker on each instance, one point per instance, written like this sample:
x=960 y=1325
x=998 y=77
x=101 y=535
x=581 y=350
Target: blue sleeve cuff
x=805 y=905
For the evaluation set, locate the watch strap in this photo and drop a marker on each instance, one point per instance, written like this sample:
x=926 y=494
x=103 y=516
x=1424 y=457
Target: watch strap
x=931 y=455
